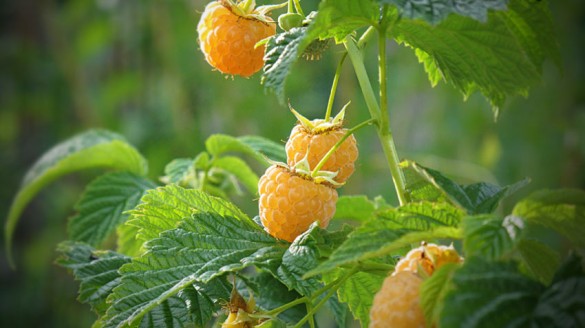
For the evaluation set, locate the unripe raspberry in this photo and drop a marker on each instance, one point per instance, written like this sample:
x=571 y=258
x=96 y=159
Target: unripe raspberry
x=397 y=303
x=291 y=202
x=317 y=142
x=238 y=311
x=227 y=36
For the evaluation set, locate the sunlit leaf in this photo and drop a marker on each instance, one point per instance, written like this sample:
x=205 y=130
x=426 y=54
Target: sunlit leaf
x=204 y=247
x=338 y=18
x=165 y=207
x=92 y=149
x=273 y=150
x=220 y=144
x=358 y=291
x=358 y=208
x=238 y=168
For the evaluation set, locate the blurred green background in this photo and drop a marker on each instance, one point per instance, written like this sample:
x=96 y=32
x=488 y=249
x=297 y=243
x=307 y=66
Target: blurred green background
x=134 y=67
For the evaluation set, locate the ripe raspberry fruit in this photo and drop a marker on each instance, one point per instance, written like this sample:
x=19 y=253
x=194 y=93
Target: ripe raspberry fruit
x=290 y=202
x=315 y=138
x=397 y=304
x=228 y=33
x=428 y=257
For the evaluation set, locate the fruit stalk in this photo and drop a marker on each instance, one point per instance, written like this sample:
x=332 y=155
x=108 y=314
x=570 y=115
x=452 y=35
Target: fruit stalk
x=334 y=86
x=333 y=288
x=298 y=7
x=306 y=299
x=383 y=130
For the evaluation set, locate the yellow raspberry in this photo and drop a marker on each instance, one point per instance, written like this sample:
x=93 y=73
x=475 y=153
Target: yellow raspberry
x=227 y=37
x=429 y=257
x=317 y=143
x=397 y=304
x=291 y=202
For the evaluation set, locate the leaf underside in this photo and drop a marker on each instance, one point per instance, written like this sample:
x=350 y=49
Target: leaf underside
x=91 y=149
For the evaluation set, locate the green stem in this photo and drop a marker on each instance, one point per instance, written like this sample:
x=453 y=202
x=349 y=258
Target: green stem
x=287 y=306
x=299 y=8
x=375 y=266
x=334 y=87
x=301 y=300
x=368 y=34
x=290 y=7
x=357 y=59
x=338 y=144
x=334 y=287
x=384 y=133
x=311 y=318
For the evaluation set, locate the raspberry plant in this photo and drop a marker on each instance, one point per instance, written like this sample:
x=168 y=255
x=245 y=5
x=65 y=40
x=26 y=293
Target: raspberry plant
x=183 y=248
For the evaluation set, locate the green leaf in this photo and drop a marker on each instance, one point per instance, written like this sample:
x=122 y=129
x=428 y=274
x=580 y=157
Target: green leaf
x=434 y=11
x=179 y=171
x=560 y=210
x=357 y=291
x=419 y=184
x=238 y=168
x=334 y=19
x=92 y=149
x=533 y=26
x=500 y=58
x=204 y=247
x=338 y=18
x=302 y=256
x=387 y=233
x=358 y=208
x=194 y=304
x=433 y=291
x=489 y=294
x=424 y=215
x=541 y=260
x=163 y=208
x=281 y=53
x=103 y=206
x=485 y=197
x=340 y=310
x=212 y=239
x=220 y=144
x=97 y=271
x=273 y=150
x=478 y=198
x=490 y=236
x=274 y=294
x=563 y=302
x=128 y=243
